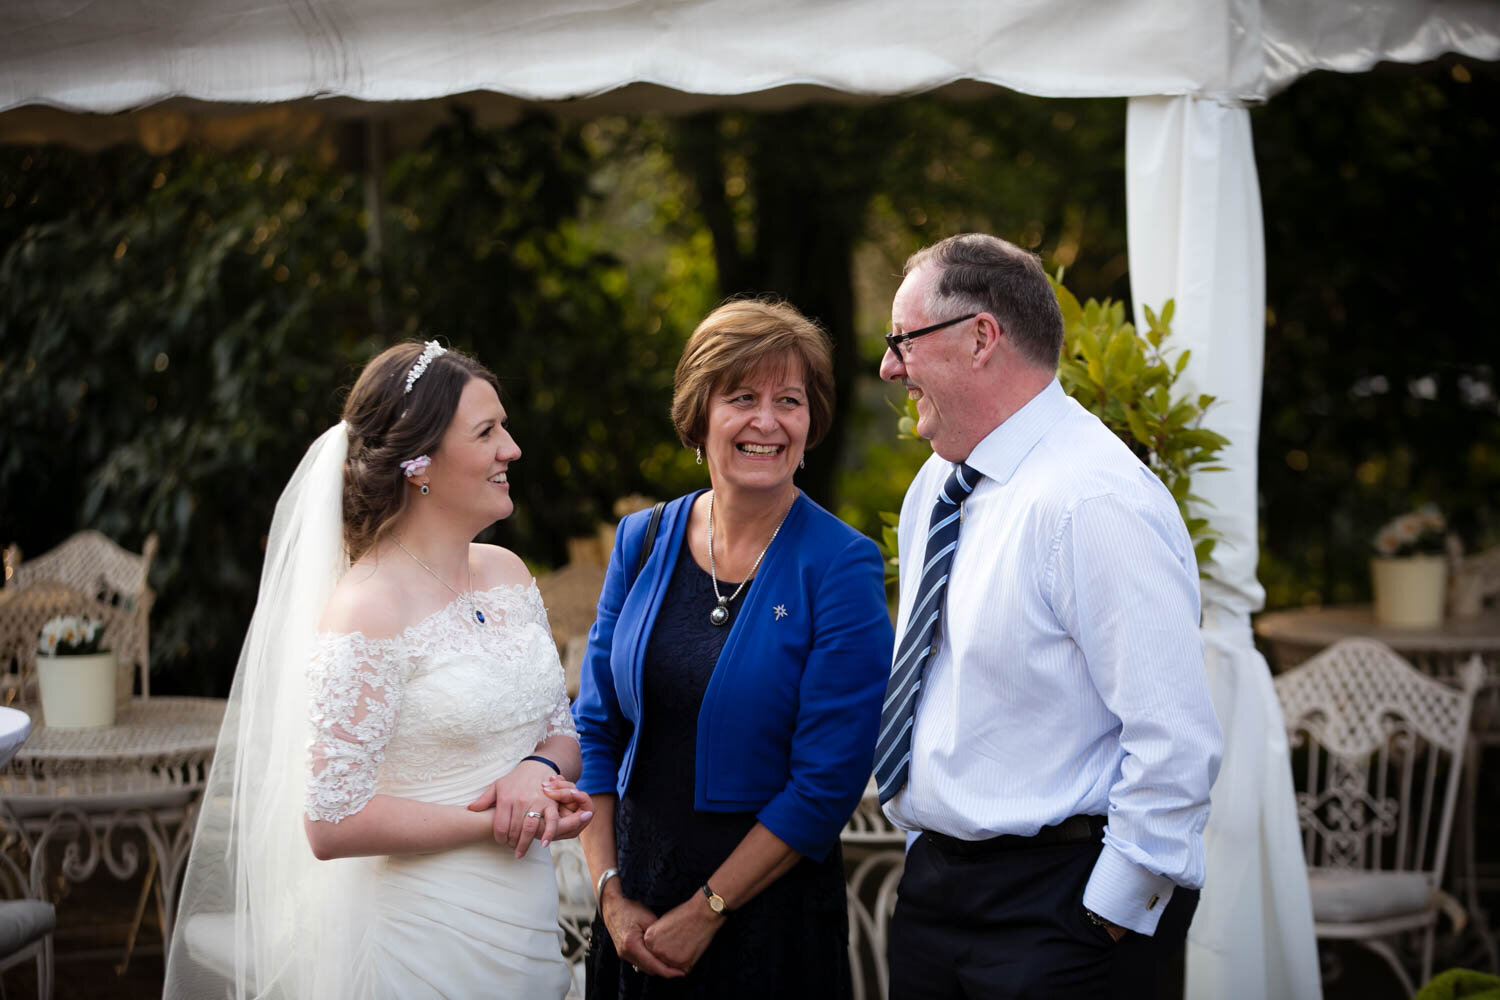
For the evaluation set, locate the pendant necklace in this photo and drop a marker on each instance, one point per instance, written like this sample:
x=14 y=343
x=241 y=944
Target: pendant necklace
x=720 y=614
x=468 y=598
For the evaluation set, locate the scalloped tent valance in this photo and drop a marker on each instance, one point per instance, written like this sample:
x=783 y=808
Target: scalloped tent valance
x=128 y=54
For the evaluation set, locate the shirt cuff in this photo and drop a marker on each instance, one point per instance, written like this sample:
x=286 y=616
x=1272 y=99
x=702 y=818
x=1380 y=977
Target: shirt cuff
x=1126 y=894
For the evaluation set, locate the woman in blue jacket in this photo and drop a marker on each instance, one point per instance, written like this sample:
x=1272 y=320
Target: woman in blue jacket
x=731 y=691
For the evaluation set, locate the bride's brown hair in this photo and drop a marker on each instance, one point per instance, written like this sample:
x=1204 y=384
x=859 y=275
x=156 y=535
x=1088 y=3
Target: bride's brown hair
x=388 y=426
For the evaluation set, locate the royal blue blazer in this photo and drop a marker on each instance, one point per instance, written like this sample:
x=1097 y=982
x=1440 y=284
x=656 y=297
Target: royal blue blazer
x=788 y=724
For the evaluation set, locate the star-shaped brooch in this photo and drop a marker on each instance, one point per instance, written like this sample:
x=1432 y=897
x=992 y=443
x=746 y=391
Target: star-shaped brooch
x=779 y=611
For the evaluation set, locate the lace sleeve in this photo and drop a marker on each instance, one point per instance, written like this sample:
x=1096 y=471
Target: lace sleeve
x=560 y=722
x=560 y=718
x=354 y=692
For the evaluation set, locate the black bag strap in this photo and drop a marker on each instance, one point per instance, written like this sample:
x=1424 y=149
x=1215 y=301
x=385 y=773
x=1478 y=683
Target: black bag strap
x=649 y=542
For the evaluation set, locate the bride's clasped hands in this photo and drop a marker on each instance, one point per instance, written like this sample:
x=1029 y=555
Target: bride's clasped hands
x=525 y=809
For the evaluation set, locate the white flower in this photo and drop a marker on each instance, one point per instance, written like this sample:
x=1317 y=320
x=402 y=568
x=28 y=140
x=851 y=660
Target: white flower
x=1409 y=528
x=414 y=467
x=69 y=634
x=1432 y=518
x=1387 y=543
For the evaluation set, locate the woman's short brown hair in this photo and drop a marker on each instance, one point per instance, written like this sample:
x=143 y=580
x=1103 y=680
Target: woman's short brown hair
x=388 y=425
x=741 y=337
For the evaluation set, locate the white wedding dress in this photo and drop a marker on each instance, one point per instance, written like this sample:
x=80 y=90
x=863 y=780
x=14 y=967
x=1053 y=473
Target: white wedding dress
x=437 y=713
x=317 y=724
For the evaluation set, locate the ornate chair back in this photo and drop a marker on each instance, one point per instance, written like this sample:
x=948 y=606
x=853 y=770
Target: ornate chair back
x=1380 y=747
x=87 y=574
x=1475 y=583
x=1384 y=743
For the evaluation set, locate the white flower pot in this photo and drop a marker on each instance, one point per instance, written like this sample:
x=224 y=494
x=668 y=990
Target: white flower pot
x=78 y=692
x=1409 y=593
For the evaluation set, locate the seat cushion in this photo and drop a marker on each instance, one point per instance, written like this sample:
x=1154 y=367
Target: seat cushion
x=1340 y=896
x=23 y=921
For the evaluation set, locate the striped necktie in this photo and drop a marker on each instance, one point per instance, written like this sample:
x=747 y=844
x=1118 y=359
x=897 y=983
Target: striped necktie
x=893 y=750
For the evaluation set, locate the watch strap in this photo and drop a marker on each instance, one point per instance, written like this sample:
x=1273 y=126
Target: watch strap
x=715 y=901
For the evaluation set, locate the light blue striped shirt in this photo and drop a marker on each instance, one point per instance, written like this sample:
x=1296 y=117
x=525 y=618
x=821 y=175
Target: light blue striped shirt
x=1068 y=676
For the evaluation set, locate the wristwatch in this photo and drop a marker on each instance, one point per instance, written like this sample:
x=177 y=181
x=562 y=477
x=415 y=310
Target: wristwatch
x=1098 y=921
x=715 y=901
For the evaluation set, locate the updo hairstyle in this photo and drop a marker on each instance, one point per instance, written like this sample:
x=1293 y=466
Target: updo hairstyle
x=388 y=426
x=746 y=336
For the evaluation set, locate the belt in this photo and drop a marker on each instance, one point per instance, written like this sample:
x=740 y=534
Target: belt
x=1073 y=830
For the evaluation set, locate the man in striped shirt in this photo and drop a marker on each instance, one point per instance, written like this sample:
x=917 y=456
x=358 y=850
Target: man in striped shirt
x=1048 y=738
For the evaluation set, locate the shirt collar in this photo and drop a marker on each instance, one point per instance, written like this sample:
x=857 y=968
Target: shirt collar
x=1000 y=453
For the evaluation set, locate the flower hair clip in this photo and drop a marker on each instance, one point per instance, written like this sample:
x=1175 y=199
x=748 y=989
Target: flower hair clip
x=432 y=350
x=414 y=467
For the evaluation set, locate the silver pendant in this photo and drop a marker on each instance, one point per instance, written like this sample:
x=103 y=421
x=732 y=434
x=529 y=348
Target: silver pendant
x=719 y=615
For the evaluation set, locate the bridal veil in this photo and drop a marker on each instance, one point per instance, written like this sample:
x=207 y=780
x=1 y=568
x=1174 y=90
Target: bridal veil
x=260 y=916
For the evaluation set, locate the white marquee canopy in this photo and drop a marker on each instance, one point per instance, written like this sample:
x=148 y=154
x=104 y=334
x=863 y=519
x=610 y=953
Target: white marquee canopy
x=1195 y=229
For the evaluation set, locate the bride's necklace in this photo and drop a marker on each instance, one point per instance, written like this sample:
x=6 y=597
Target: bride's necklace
x=720 y=614
x=469 y=597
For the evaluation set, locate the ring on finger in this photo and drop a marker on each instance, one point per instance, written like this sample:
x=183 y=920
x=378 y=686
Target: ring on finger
x=533 y=814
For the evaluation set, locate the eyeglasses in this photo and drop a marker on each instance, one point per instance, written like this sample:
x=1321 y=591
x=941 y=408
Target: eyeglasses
x=895 y=340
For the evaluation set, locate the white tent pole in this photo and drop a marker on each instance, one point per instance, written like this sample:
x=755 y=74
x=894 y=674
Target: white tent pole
x=1195 y=234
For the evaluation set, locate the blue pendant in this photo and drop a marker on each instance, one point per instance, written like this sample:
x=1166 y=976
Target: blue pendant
x=480 y=615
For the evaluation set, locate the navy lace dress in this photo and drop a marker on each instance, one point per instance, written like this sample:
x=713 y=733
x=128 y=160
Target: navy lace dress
x=792 y=939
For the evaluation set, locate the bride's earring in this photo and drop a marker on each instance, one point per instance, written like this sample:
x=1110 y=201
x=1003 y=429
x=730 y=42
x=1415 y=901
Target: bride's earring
x=700 y=454
x=425 y=490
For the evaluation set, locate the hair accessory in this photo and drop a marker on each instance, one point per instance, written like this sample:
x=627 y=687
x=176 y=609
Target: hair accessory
x=432 y=350
x=700 y=454
x=414 y=467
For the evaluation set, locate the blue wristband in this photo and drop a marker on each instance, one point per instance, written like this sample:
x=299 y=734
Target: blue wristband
x=544 y=760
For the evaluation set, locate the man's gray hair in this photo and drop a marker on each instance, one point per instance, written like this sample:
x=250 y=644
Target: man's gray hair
x=980 y=273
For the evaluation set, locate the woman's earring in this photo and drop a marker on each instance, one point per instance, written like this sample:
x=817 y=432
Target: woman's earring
x=802 y=462
x=425 y=490
x=700 y=454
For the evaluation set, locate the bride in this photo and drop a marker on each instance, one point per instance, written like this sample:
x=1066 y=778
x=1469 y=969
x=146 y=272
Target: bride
x=397 y=752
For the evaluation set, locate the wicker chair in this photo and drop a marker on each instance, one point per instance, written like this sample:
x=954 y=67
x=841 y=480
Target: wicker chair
x=1384 y=746
x=1475 y=583
x=87 y=574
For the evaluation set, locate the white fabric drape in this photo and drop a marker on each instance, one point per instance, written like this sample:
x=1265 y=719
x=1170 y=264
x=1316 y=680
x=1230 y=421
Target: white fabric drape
x=1196 y=237
x=110 y=57
x=209 y=55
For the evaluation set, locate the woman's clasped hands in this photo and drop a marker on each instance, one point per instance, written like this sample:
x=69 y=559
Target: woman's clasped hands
x=527 y=807
x=667 y=946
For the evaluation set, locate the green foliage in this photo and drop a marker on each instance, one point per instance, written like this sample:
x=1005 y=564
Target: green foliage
x=177 y=329
x=170 y=339
x=1126 y=380
x=1381 y=387
x=486 y=249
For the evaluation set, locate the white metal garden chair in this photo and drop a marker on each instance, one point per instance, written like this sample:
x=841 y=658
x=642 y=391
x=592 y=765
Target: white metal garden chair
x=1384 y=746
x=88 y=574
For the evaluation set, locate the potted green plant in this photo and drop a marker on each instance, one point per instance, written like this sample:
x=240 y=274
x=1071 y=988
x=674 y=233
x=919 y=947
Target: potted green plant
x=1409 y=572
x=1129 y=380
x=75 y=674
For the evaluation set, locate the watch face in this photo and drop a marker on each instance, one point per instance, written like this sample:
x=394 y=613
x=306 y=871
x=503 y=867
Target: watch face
x=716 y=903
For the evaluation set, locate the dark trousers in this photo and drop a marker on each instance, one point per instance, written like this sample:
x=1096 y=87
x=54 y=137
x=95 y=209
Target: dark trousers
x=1011 y=925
